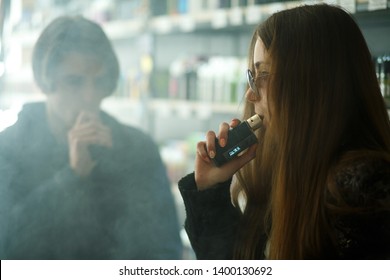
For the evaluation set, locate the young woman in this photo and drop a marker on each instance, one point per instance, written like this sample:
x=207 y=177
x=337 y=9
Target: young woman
x=317 y=184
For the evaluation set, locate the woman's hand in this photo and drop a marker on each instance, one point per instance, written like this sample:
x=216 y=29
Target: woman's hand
x=206 y=173
x=87 y=130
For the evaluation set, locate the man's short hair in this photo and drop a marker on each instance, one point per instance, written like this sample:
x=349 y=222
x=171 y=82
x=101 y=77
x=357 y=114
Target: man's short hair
x=72 y=34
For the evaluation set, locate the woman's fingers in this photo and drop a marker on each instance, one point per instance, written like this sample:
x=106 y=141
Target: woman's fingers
x=223 y=134
x=202 y=151
x=210 y=143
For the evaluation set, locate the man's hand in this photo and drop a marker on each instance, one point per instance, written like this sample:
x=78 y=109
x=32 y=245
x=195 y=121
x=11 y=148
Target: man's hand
x=87 y=130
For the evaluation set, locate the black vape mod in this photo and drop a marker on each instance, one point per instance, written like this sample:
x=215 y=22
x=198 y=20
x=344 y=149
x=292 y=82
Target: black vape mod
x=239 y=138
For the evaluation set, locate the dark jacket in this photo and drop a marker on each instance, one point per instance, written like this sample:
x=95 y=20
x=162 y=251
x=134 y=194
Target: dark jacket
x=124 y=210
x=212 y=222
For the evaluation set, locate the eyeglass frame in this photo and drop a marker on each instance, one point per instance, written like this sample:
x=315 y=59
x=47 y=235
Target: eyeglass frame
x=251 y=81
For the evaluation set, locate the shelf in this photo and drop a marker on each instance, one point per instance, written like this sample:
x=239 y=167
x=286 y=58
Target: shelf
x=186 y=108
x=207 y=19
x=120 y=29
x=231 y=17
x=127 y=111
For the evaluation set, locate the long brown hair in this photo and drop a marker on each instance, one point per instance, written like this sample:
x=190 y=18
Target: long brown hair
x=324 y=100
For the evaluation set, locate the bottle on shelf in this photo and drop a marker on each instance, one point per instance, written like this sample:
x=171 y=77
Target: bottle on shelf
x=215 y=79
x=382 y=67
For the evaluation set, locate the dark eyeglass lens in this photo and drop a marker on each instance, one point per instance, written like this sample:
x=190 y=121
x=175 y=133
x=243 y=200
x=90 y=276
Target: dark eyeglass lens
x=251 y=81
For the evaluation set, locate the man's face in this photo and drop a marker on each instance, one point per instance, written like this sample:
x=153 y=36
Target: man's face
x=78 y=86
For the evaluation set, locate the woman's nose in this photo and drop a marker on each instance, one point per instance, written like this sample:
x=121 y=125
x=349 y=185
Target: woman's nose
x=250 y=95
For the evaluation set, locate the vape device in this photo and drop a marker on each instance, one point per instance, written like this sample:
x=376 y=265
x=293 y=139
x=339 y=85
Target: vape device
x=239 y=138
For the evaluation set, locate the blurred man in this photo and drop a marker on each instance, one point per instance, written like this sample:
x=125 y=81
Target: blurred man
x=75 y=183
